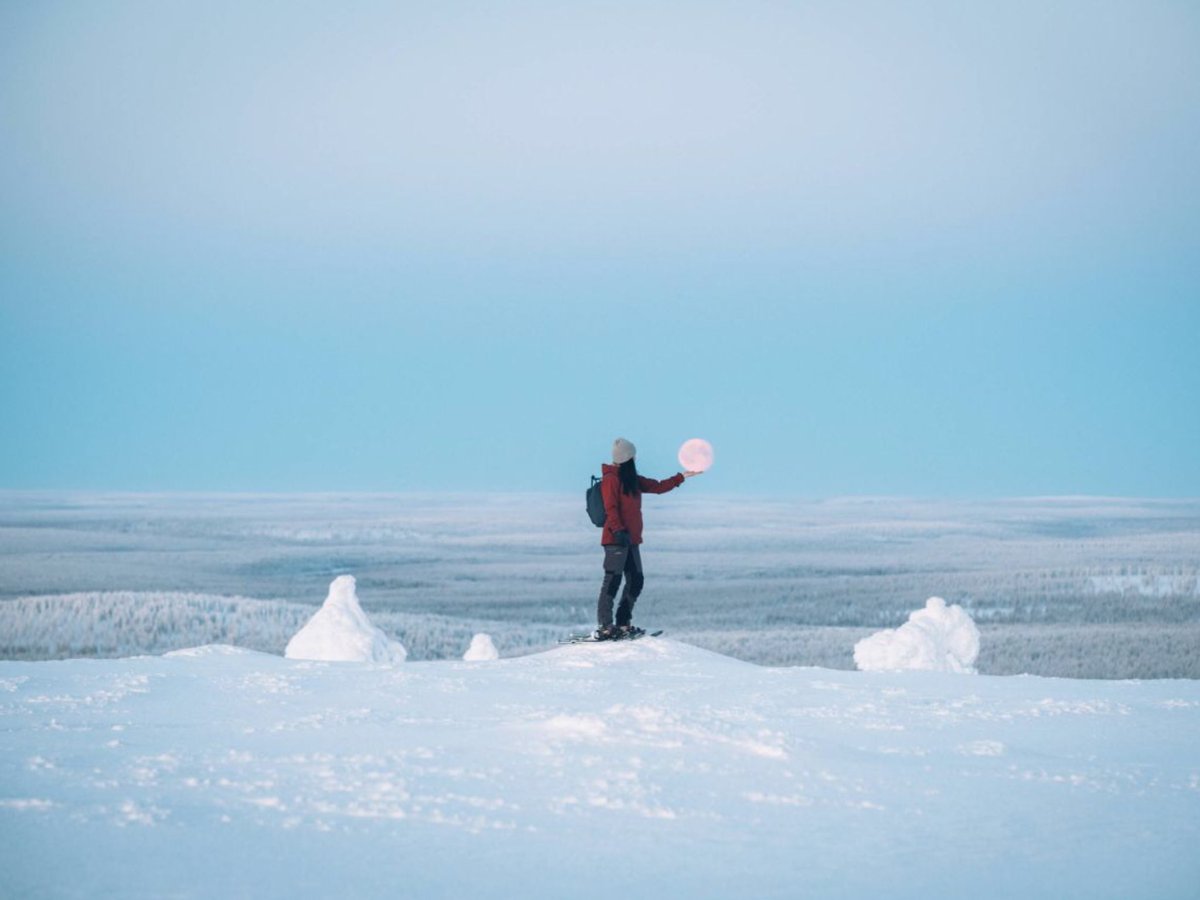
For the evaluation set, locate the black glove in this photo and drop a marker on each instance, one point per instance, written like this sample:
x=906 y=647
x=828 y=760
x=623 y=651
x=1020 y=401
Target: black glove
x=622 y=538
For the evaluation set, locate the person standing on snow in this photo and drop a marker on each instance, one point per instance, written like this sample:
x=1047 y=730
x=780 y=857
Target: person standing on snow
x=622 y=488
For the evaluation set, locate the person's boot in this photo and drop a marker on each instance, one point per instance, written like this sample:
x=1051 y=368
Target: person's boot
x=607 y=633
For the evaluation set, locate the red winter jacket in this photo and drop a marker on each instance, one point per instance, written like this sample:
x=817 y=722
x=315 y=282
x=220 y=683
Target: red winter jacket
x=623 y=512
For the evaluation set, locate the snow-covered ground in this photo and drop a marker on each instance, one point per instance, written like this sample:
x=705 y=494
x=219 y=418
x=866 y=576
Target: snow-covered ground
x=644 y=769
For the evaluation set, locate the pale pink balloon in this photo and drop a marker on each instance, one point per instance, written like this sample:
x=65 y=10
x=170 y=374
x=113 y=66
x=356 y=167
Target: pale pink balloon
x=696 y=455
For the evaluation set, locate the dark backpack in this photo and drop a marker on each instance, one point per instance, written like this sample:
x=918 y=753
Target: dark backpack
x=595 y=503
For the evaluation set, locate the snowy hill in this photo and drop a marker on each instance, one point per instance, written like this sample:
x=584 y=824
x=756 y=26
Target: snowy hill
x=647 y=769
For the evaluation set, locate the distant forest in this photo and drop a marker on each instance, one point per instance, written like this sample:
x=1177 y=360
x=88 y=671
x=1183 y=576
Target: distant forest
x=1074 y=586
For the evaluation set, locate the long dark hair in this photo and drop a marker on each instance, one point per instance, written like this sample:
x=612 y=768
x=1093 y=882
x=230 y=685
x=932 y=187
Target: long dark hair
x=627 y=472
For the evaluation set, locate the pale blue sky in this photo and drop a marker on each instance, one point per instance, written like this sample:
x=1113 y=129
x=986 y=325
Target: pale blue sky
x=924 y=248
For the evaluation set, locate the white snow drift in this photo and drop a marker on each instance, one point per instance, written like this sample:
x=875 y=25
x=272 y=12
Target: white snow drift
x=482 y=649
x=341 y=631
x=938 y=638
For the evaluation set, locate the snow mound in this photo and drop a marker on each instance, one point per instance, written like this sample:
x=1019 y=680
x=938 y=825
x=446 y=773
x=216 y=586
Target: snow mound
x=938 y=638
x=341 y=631
x=481 y=649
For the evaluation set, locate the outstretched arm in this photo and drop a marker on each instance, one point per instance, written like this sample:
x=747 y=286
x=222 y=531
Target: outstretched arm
x=651 y=486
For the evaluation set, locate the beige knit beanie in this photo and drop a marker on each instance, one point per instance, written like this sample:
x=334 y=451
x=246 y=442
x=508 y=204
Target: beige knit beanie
x=623 y=451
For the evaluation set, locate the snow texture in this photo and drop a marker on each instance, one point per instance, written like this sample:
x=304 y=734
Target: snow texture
x=341 y=631
x=217 y=772
x=938 y=638
x=482 y=649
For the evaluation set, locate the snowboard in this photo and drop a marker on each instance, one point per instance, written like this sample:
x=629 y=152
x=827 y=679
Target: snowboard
x=587 y=638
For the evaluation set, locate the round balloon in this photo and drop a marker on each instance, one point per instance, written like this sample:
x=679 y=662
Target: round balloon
x=696 y=455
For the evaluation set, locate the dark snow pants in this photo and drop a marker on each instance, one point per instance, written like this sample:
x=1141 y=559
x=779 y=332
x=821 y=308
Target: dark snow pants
x=619 y=561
